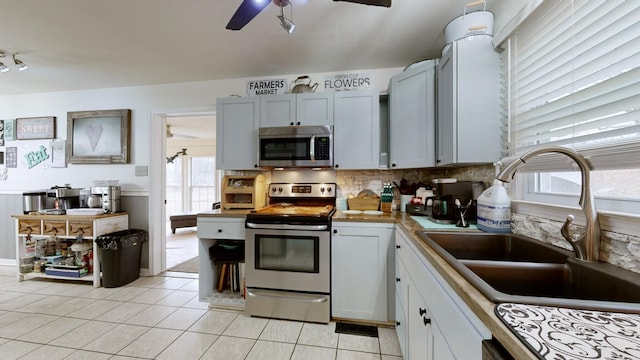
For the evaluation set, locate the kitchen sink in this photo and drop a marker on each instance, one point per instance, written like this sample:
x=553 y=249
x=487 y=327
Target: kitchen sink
x=516 y=268
x=503 y=247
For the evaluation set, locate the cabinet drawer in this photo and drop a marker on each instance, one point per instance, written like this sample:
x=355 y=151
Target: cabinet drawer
x=54 y=227
x=32 y=227
x=84 y=228
x=111 y=224
x=216 y=229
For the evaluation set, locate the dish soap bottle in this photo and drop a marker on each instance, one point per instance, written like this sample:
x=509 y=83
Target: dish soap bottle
x=494 y=209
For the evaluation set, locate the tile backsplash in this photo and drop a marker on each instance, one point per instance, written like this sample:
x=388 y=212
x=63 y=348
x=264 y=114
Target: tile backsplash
x=353 y=181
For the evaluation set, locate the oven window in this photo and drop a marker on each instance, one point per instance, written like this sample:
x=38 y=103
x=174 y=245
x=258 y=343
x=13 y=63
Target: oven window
x=285 y=149
x=287 y=253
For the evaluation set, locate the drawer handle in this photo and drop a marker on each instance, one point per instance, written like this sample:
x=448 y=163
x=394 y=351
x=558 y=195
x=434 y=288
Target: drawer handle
x=397 y=279
x=422 y=311
x=397 y=323
x=397 y=246
x=219 y=230
x=426 y=321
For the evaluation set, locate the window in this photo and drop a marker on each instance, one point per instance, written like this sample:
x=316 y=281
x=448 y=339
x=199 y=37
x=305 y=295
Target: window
x=174 y=187
x=574 y=81
x=191 y=184
x=203 y=183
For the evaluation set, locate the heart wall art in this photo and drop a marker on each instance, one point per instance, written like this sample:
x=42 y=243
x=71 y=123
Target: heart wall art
x=99 y=136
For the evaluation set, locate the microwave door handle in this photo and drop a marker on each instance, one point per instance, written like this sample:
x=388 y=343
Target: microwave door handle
x=312 y=151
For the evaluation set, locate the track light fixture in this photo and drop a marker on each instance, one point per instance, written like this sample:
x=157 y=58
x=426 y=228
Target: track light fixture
x=286 y=24
x=173 y=157
x=19 y=64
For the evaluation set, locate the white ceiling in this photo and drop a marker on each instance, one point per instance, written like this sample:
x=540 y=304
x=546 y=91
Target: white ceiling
x=84 y=44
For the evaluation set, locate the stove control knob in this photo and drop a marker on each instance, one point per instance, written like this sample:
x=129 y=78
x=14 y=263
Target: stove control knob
x=280 y=189
x=329 y=189
x=322 y=189
x=273 y=189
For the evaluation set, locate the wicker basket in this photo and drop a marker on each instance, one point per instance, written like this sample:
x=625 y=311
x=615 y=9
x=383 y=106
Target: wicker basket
x=363 y=204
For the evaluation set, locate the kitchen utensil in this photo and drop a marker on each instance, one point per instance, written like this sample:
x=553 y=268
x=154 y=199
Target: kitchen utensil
x=462 y=212
x=303 y=85
x=94 y=201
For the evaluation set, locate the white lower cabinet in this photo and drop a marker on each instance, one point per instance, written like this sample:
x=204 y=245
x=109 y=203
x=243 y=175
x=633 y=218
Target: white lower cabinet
x=361 y=282
x=437 y=324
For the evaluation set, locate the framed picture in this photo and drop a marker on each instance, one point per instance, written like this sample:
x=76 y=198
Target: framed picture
x=98 y=137
x=35 y=128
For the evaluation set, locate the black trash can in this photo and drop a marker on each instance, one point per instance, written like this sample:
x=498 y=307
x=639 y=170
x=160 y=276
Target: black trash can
x=120 y=254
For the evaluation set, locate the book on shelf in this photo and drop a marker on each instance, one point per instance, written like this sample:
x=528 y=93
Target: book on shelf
x=241 y=268
x=231 y=276
x=74 y=273
x=221 y=277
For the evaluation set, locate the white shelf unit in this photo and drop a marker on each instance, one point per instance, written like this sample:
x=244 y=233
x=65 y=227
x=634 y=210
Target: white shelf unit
x=66 y=227
x=210 y=231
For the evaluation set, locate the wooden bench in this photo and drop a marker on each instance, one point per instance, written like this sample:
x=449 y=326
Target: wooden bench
x=182 y=221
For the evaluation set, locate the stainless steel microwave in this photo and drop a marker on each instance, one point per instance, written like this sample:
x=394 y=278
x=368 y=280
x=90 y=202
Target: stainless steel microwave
x=295 y=146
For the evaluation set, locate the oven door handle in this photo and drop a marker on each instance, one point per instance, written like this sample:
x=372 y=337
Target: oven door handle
x=251 y=225
x=255 y=293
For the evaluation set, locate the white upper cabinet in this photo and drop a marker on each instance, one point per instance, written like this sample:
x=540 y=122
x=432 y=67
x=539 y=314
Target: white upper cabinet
x=237 y=122
x=315 y=108
x=277 y=110
x=297 y=109
x=469 y=122
x=357 y=130
x=412 y=117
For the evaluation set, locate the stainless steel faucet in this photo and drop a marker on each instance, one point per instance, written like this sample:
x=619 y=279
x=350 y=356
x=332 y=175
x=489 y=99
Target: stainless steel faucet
x=587 y=243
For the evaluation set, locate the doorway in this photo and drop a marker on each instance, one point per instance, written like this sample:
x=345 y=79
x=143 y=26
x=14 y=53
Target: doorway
x=191 y=185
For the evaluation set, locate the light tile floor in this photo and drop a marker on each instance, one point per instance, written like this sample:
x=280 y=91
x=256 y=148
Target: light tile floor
x=158 y=317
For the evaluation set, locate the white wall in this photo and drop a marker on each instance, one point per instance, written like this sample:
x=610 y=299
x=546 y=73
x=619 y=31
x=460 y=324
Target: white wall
x=144 y=101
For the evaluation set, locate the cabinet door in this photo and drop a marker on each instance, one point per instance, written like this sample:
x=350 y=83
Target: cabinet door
x=359 y=281
x=278 y=110
x=236 y=131
x=412 y=118
x=420 y=335
x=315 y=108
x=357 y=130
x=402 y=302
x=469 y=103
x=441 y=349
x=446 y=128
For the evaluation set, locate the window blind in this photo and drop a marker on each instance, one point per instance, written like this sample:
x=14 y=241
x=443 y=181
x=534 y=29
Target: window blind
x=574 y=81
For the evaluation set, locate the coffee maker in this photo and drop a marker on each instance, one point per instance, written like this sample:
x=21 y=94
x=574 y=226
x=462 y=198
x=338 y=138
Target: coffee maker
x=109 y=196
x=64 y=197
x=443 y=207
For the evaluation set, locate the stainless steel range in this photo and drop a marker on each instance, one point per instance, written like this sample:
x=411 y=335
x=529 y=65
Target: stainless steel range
x=288 y=253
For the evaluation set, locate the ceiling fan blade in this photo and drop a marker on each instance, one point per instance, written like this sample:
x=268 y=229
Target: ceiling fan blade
x=385 y=3
x=246 y=12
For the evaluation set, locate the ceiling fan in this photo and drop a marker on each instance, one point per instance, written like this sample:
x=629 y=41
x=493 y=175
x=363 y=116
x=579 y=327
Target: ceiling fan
x=171 y=134
x=250 y=8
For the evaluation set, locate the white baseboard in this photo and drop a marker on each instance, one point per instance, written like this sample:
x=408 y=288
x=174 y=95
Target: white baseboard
x=8 y=262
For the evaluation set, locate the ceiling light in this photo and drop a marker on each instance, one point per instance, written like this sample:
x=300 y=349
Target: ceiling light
x=286 y=24
x=19 y=64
